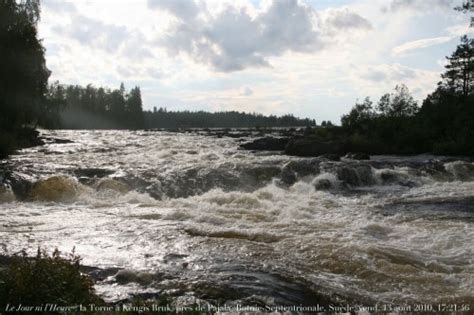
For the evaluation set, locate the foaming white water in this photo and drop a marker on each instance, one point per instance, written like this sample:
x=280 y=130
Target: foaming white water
x=461 y=170
x=402 y=235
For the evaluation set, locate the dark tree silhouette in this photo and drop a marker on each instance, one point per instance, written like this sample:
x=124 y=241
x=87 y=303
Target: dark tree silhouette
x=98 y=108
x=398 y=104
x=23 y=76
x=360 y=117
x=459 y=75
x=134 y=107
x=162 y=118
x=442 y=125
x=467 y=6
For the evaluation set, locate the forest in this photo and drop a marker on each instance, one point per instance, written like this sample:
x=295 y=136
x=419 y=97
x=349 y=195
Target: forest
x=162 y=118
x=396 y=124
x=103 y=108
x=442 y=125
x=97 y=108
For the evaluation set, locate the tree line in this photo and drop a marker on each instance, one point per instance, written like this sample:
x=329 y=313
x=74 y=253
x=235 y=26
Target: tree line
x=103 y=108
x=98 y=108
x=443 y=124
x=162 y=118
x=395 y=124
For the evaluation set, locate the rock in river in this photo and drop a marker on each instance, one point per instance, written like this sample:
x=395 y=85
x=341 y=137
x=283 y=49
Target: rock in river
x=55 y=188
x=266 y=144
x=357 y=156
x=310 y=147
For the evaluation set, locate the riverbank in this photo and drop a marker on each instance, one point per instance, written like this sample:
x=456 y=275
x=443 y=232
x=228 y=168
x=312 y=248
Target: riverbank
x=12 y=140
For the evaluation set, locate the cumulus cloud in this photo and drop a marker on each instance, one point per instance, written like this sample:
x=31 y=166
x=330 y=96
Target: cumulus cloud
x=419 y=44
x=111 y=38
x=422 y=5
x=233 y=40
x=94 y=33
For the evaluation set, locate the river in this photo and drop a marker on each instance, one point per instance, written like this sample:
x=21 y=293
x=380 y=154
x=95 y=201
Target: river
x=193 y=216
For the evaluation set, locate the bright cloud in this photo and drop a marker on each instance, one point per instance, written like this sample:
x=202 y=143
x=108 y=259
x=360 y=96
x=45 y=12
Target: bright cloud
x=420 y=43
x=233 y=40
x=303 y=57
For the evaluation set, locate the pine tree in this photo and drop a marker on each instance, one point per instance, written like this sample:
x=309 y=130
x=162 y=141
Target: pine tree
x=459 y=75
x=135 y=108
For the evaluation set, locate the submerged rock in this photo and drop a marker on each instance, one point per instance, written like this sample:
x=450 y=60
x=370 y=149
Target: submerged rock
x=357 y=156
x=20 y=184
x=267 y=144
x=55 y=188
x=365 y=174
x=303 y=167
x=323 y=184
x=310 y=147
x=112 y=184
x=331 y=157
x=356 y=175
x=461 y=170
x=128 y=276
x=56 y=140
x=6 y=194
x=293 y=170
x=390 y=177
x=260 y=173
x=348 y=175
x=27 y=137
x=92 y=172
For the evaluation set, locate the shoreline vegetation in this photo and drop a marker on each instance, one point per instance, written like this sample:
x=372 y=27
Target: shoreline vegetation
x=68 y=287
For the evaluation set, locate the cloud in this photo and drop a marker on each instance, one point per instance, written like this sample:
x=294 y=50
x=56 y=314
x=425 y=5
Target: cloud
x=140 y=73
x=183 y=9
x=420 y=5
x=234 y=40
x=344 y=19
x=419 y=44
x=111 y=38
x=59 y=6
x=385 y=72
x=460 y=29
x=246 y=91
x=94 y=33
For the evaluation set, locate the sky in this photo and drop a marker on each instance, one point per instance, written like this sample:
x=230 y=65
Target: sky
x=310 y=58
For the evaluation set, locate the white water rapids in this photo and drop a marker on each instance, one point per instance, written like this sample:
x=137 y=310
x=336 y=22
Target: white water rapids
x=205 y=220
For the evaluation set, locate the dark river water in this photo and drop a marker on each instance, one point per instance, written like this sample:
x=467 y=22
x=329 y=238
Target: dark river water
x=194 y=217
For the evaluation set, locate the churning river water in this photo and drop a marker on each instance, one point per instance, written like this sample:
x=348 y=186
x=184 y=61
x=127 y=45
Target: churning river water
x=194 y=216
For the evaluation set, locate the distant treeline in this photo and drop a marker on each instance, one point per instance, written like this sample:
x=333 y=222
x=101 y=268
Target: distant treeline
x=396 y=124
x=103 y=108
x=162 y=118
x=98 y=108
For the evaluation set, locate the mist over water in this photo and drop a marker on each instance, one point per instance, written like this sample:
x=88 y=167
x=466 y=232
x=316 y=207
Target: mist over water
x=194 y=216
